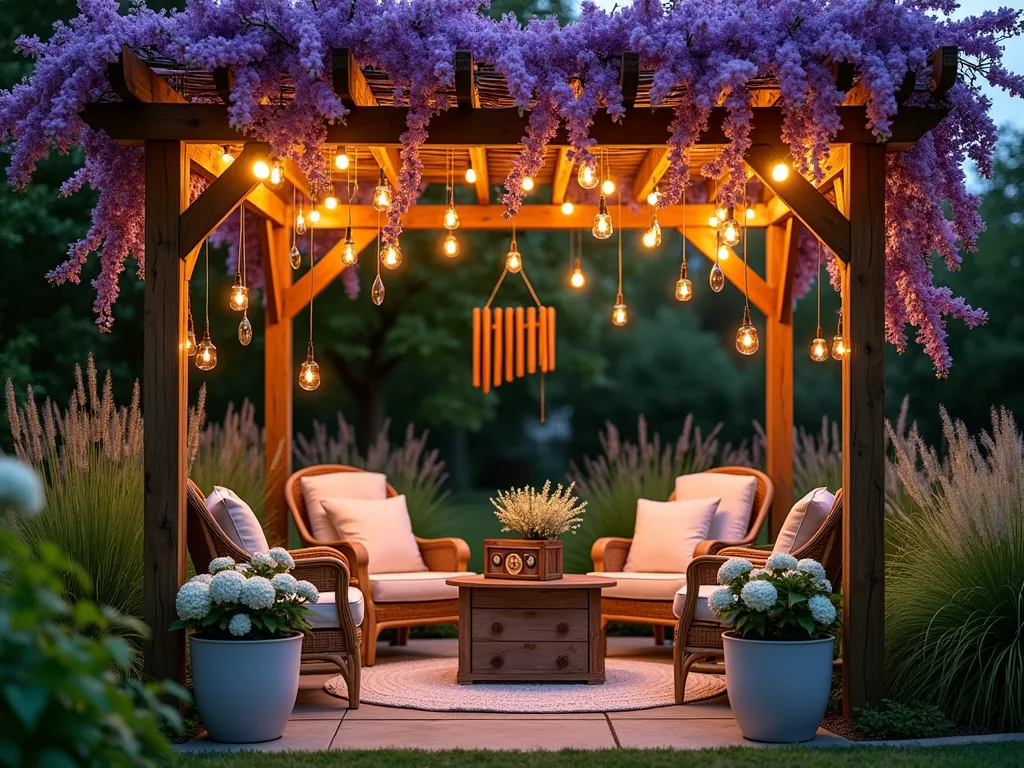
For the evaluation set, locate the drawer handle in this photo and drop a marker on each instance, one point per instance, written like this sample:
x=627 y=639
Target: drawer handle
x=497 y=661
x=562 y=628
x=496 y=628
x=562 y=661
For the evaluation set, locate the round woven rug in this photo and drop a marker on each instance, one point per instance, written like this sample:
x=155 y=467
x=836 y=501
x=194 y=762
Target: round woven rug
x=429 y=684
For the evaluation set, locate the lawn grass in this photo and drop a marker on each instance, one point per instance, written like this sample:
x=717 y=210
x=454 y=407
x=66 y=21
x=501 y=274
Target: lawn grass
x=990 y=755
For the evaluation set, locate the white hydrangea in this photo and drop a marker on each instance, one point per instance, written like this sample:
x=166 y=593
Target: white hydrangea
x=307 y=591
x=226 y=586
x=282 y=557
x=732 y=569
x=759 y=595
x=243 y=567
x=813 y=567
x=21 y=487
x=258 y=593
x=205 y=578
x=780 y=561
x=193 y=601
x=285 y=584
x=721 y=600
x=220 y=563
x=822 y=609
x=757 y=573
x=262 y=559
x=240 y=625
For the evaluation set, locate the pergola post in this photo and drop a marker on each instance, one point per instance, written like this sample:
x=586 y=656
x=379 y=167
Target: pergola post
x=164 y=403
x=863 y=395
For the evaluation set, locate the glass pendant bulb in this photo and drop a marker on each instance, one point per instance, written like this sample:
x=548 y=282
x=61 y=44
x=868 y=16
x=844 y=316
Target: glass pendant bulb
x=392 y=258
x=577 y=280
x=276 y=179
x=746 y=335
x=451 y=246
x=451 y=217
x=294 y=257
x=652 y=235
x=245 y=331
x=309 y=372
x=717 y=278
x=730 y=229
x=527 y=184
x=330 y=202
x=470 y=176
x=839 y=349
x=377 y=291
x=603 y=227
x=206 y=353
x=190 y=341
x=608 y=186
x=261 y=170
x=724 y=252
x=314 y=216
x=300 y=223
x=239 y=295
x=684 y=289
x=620 y=314
x=713 y=221
x=349 y=252
x=341 y=161
x=653 y=196
x=819 y=348
x=381 y=195
x=750 y=213
x=587 y=176
x=568 y=207
x=514 y=259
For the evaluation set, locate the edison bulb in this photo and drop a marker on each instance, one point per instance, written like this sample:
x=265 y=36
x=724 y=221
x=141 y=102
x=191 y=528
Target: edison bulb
x=245 y=331
x=381 y=197
x=684 y=289
x=652 y=235
x=190 y=341
x=451 y=246
x=314 y=216
x=602 y=228
x=568 y=207
x=713 y=221
x=839 y=348
x=652 y=197
x=586 y=176
x=527 y=183
x=513 y=260
x=620 y=314
x=730 y=231
x=226 y=157
x=746 y=338
x=471 y=176
x=451 y=218
x=577 y=280
x=608 y=186
x=392 y=258
x=330 y=202
x=724 y=252
x=294 y=257
x=261 y=170
x=309 y=373
x=276 y=177
x=239 y=295
x=750 y=213
x=780 y=171
x=720 y=213
x=349 y=252
x=819 y=349
x=206 y=354
x=717 y=278
x=300 y=224
x=341 y=161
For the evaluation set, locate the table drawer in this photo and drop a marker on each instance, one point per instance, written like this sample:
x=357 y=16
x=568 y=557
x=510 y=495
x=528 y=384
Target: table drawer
x=521 y=658
x=530 y=598
x=531 y=625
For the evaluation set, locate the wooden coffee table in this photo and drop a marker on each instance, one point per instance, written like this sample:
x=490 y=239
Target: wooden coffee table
x=537 y=631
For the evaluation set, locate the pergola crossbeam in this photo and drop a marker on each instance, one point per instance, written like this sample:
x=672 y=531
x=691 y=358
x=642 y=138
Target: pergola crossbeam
x=390 y=161
x=629 y=77
x=298 y=295
x=205 y=159
x=653 y=167
x=466 y=94
x=761 y=294
x=134 y=81
x=563 y=174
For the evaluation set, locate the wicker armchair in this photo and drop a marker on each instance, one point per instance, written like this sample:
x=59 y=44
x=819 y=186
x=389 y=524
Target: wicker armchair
x=325 y=568
x=609 y=554
x=440 y=555
x=698 y=641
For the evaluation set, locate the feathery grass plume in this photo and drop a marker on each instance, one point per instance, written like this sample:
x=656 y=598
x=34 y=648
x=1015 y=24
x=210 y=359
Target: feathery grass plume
x=955 y=573
x=543 y=514
x=817 y=458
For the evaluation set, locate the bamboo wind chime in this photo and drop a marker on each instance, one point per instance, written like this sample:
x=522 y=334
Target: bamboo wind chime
x=512 y=342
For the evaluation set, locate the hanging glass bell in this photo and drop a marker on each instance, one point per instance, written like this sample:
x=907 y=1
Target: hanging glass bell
x=717 y=278
x=294 y=257
x=377 y=291
x=245 y=331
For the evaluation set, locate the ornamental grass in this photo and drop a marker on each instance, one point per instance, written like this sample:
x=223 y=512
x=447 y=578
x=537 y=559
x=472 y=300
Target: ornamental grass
x=955 y=574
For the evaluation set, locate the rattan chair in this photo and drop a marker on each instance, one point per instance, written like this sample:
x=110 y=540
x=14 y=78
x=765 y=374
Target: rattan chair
x=325 y=568
x=610 y=553
x=698 y=643
x=441 y=555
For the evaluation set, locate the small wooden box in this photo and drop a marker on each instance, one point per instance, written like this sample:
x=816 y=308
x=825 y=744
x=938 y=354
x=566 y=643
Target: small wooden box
x=523 y=559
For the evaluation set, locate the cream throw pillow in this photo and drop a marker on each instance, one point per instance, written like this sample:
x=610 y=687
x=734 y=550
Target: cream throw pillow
x=667 y=532
x=804 y=520
x=338 y=485
x=737 y=494
x=237 y=520
x=383 y=527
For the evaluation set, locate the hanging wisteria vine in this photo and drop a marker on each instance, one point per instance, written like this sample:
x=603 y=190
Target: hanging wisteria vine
x=702 y=53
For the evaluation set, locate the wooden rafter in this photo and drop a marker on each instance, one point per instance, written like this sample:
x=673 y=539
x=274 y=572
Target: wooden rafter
x=390 y=161
x=296 y=178
x=466 y=94
x=133 y=80
x=761 y=294
x=329 y=266
x=206 y=160
x=629 y=77
x=787 y=269
x=478 y=162
x=273 y=274
x=563 y=173
x=224 y=83
x=653 y=167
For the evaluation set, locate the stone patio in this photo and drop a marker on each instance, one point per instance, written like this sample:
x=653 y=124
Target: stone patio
x=323 y=722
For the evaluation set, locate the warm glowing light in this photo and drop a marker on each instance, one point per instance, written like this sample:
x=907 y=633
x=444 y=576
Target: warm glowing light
x=648 y=238
x=577 y=280
x=839 y=348
x=451 y=218
x=300 y=223
x=713 y=221
x=381 y=195
x=392 y=258
x=652 y=235
x=717 y=278
x=602 y=228
x=746 y=339
x=568 y=207
x=471 y=176
x=730 y=229
x=309 y=372
x=652 y=197
x=684 y=289
x=514 y=259
x=586 y=176
x=239 y=295
x=245 y=331
x=724 y=252
x=780 y=171
x=377 y=291
x=720 y=213
x=620 y=314
x=341 y=161
x=190 y=341
x=608 y=186
x=261 y=170
x=226 y=157
x=819 y=349
x=276 y=177
x=527 y=183
x=330 y=202
x=314 y=216
x=451 y=246
x=349 y=252
x=750 y=213
x=206 y=354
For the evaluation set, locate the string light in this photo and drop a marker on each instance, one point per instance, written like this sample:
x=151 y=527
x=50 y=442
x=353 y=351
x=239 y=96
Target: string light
x=314 y=216
x=451 y=216
x=603 y=227
x=471 y=176
x=341 y=161
x=294 y=257
x=381 y=194
x=839 y=348
x=513 y=259
x=577 y=279
x=527 y=183
x=309 y=371
x=451 y=246
x=349 y=252
x=377 y=290
x=730 y=228
x=276 y=179
x=261 y=170
x=819 y=348
x=300 y=222
x=239 y=300
x=717 y=277
x=226 y=157
x=330 y=202
x=724 y=252
x=608 y=186
x=749 y=213
x=586 y=176
x=392 y=258
x=652 y=235
x=190 y=337
x=684 y=288
x=780 y=171
x=206 y=352
x=568 y=207
x=746 y=334
x=620 y=313
x=653 y=196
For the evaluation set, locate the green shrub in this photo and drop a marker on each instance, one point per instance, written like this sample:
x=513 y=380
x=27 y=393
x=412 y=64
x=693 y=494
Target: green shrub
x=625 y=472
x=902 y=721
x=955 y=574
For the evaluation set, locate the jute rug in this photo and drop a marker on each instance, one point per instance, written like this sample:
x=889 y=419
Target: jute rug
x=429 y=684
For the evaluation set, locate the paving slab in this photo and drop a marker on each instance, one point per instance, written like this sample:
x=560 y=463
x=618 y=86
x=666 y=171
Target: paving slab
x=693 y=734
x=299 y=734
x=717 y=708
x=374 y=712
x=504 y=734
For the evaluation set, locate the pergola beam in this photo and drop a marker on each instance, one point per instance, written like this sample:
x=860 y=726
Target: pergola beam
x=390 y=161
x=466 y=94
x=133 y=80
x=297 y=296
x=653 y=167
x=563 y=173
x=206 y=160
x=279 y=366
x=478 y=162
x=704 y=240
x=629 y=77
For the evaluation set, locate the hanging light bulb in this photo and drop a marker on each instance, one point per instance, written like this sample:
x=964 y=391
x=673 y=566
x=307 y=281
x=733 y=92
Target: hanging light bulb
x=608 y=186
x=382 y=194
x=730 y=229
x=577 y=280
x=527 y=183
x=451 y=246
x=839 y=348
x=717 y=278
x=750 y=213
x=349 y=252
x=684 y=288
x=226 y=157
x=819 y=348
x=190 y=337
x=239 y=295
x=314 y=216
x=602 y=228
x=514 y=259
x=341 y=161
x=713 y=221
x=300 y=223
x=245 y=331
x=206 y=354
x=724 y=252
x=568 y=207
x=276 y=180
x=653 y=196
x=620 y=313
x=652 y=235
x=392 y=258
x=330 y=202
x=294 y=257
x=309 y=371
x=377 y=291
x=471 y=176
x=587 y=176
x=746 y=335
x=720 y=213
x=780 y=171
x=261 y=170
x=451 y=217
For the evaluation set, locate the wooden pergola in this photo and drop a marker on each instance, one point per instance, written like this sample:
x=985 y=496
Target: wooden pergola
x=181 y=118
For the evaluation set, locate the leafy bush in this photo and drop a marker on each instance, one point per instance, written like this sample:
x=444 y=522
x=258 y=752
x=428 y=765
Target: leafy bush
x=902 y=721
x=411 y=468
x=955 y=574
x=625 y=472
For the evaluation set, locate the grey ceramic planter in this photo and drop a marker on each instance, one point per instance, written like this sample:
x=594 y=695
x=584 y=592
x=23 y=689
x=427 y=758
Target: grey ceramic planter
x=778 y=691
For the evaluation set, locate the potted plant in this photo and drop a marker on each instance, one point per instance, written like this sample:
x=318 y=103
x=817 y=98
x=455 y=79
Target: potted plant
x=249 y=619
x=779 y=650
x=539 y=517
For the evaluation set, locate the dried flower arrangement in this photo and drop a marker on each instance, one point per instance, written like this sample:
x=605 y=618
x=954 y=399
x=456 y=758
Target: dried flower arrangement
x=538 y=515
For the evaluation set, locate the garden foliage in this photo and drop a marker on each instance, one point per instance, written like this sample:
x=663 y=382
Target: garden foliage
x=902 y=721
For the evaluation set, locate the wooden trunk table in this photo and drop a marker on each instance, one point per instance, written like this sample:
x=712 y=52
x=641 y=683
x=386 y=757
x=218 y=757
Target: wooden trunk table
x=530 y=631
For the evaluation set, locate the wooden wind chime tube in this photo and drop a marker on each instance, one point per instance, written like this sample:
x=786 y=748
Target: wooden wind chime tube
x=511 y=343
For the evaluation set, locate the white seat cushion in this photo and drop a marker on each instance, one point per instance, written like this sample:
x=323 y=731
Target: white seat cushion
x=701 y=612
x=415 y=587
x=804 y=520
x=667 y=532
x=637 y=585
x=383 y=527
x=237 y=520
x=337 y=485
x=324 y=612
x=732 y=518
